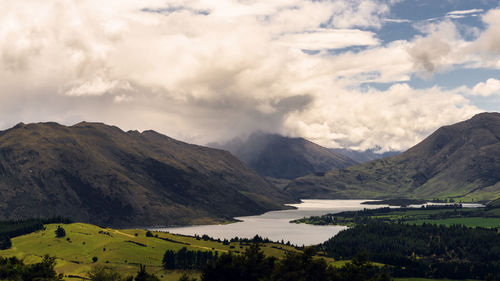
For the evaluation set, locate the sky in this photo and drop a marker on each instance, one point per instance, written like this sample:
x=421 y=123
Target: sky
x=342 y=73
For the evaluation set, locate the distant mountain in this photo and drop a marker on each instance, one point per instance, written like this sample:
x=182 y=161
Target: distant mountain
x=460 y=161
x=276 y=156
x=366 y=155
x=100 y=174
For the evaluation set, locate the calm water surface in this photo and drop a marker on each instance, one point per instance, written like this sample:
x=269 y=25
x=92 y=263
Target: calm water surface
x=275 y=225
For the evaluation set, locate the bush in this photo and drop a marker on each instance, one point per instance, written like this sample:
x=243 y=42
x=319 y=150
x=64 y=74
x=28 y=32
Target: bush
x=149 y=234
x=15 y=269
x=102 y=273
x=5 y=243
x=94 y=259
x=142 y=275
x=60 y=232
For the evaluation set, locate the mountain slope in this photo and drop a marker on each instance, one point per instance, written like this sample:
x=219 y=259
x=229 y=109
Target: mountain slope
x=458 y=161
x=366 y=155
x=277 y=156
x=100 y=174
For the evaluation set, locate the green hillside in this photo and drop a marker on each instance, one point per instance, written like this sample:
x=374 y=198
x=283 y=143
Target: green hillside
x=120 y=249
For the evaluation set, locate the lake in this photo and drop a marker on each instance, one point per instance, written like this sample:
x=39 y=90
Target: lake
x=275 y=225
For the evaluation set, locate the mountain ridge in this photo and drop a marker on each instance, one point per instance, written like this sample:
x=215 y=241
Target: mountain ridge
x=276 y=156
x=362 y=156
x=459 y=161
x=100 y=174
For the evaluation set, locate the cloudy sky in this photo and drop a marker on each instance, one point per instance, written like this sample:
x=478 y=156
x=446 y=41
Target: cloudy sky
x=342 y=73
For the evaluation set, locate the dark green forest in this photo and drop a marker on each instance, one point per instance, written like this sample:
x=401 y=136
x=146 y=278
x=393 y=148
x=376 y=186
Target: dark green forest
x=253 y=265
x=185 y=259
x=431 y=251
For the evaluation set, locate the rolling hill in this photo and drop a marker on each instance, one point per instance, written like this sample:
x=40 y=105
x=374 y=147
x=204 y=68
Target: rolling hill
x=121 y=249
x=460 y=161
x=276 y=156
x=96 y=173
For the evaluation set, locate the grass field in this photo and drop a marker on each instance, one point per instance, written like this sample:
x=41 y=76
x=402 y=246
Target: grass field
x=120 y=249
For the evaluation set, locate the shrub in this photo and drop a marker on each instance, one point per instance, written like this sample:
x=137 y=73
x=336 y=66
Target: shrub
x=60 y=232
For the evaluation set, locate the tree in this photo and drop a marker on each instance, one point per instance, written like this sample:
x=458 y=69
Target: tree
x=169 y=259
x=185 y=277
x=14 y=269
x=102 y=273
x=143 y=275
x=42 y=271
x=60 y=232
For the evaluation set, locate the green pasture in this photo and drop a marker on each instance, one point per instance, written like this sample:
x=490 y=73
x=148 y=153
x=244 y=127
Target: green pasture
x=123 y=250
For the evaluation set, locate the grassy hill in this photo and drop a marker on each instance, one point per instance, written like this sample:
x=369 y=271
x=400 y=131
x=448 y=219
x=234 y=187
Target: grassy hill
x=96 y=173
x=460 y=161
x=120 y=249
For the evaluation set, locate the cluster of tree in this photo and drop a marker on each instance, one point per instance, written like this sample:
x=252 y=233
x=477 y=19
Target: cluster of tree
x=256 y=239
x=14 y=228
x=15 y=269
x=253 y=265
x=185 y=259
x=403 y=202
x=430 y=251
x=102 y=273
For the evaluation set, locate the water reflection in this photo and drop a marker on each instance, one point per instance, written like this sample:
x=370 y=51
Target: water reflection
x=275 y=225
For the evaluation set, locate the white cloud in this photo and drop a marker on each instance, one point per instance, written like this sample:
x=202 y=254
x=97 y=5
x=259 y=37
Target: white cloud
x=489 y=41
x=122 y=98
x=488 y=88
x=464 y=13
x=205 y=70
x=359 y=13
x=97 y=87
x=397 y=20
x=329 y=39
x=395 y=119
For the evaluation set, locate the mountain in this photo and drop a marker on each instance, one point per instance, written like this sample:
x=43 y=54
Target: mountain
x=100 y=174
x=272 y=155
x=366 y=155
x=460 y=161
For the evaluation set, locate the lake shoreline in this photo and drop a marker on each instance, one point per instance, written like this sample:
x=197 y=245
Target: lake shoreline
x=275 y=225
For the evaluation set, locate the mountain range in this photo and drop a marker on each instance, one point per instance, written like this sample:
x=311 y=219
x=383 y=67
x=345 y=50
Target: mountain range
x=96 y=173
x=460 y=161
x=276 y=156
x=362 y=156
